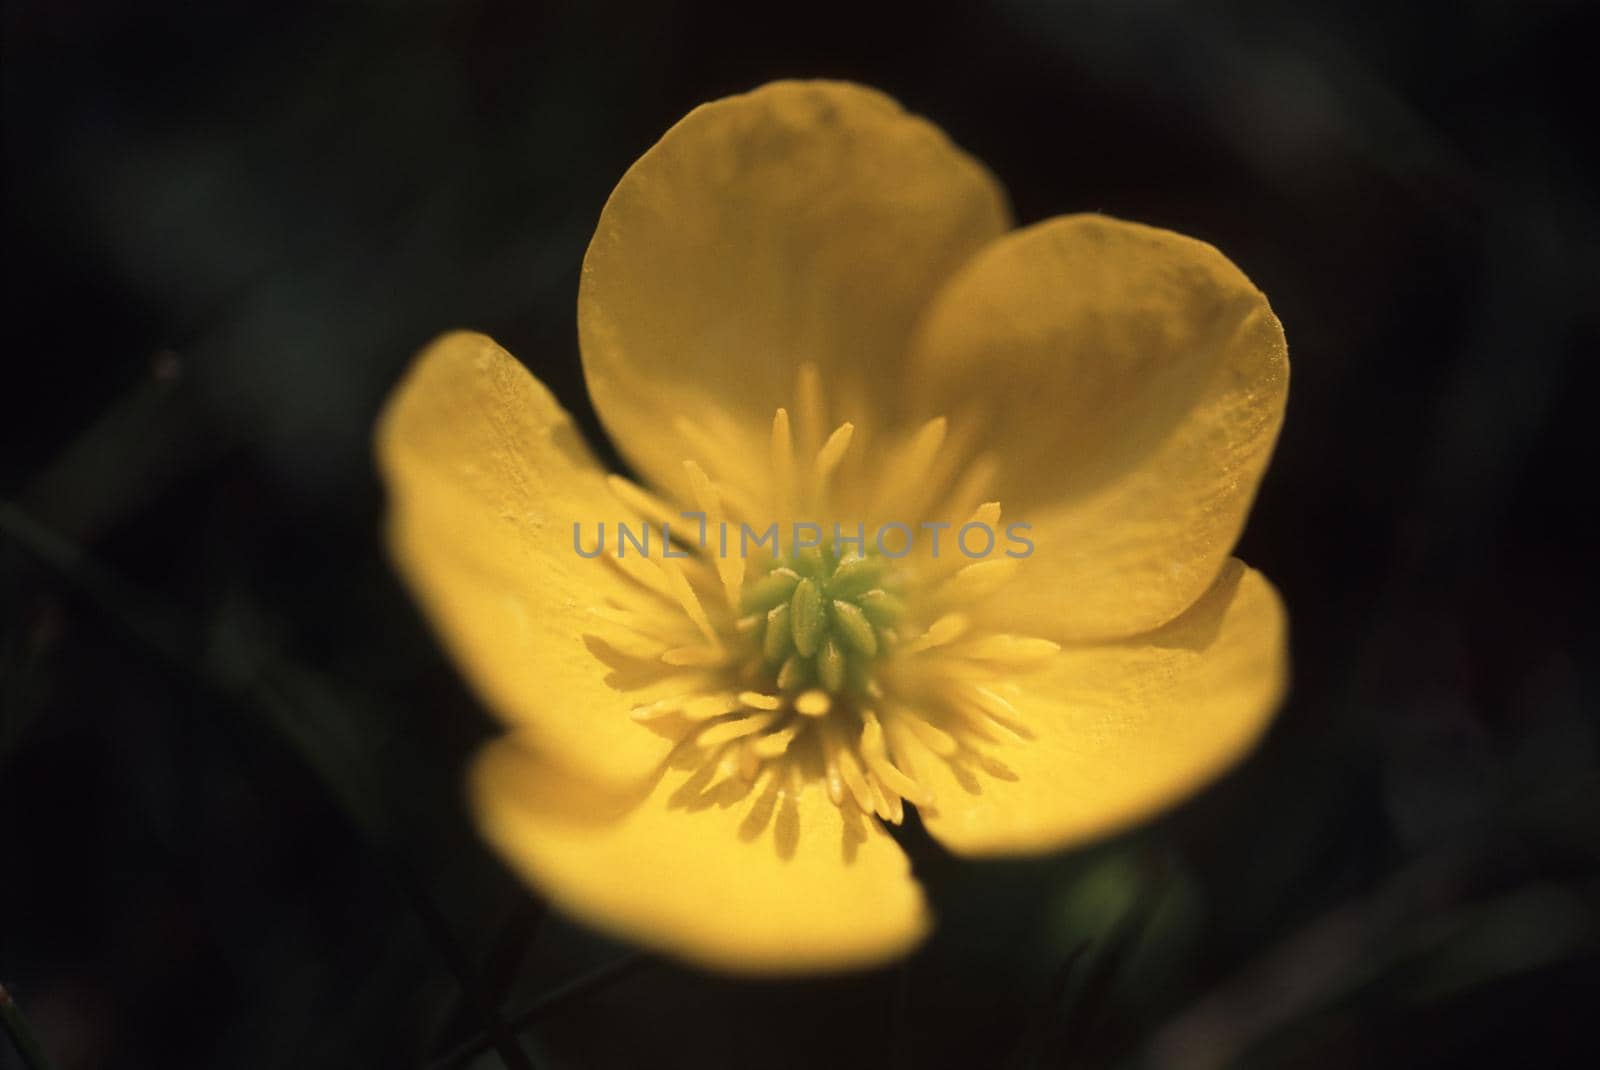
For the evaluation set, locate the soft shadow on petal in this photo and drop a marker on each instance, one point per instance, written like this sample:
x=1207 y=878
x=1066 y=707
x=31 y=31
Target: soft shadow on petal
x=1131 y=382
x=486 y=476
x=763 y=878
x=803 y=221
x=1122 y=730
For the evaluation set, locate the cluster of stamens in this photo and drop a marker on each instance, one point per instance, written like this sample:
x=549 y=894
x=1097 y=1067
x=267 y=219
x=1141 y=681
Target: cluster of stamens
x=821 y=620
x=829 y=659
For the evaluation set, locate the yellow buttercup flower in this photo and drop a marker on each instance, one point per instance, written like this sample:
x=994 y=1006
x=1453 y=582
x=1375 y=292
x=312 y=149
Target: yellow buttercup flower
x=805 y=306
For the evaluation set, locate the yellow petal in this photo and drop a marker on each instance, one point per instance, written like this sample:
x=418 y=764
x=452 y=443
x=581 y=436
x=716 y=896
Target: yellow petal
x=769 y=877
x=803 y=221
x=1131 y=382
x=1120 y=731
x=486 y=476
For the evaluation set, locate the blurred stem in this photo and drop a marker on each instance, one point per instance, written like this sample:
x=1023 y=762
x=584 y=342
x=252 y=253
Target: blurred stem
x=545 y=1005
x=62 y=557
x=17 y=1029
x=1038 y=1038
x=500 y=968
x=1100 y=975
x=274 y=692
x=581 y=986
x=500 y=971
x=499 y=1035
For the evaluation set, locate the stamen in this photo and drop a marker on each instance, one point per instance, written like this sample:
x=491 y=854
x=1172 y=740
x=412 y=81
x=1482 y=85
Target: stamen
x=679 y=588
x=692 y=696
x=813 y=703
x=946 y=629
x=999 y=710
x=806 y=617
x=854 y=628
x=792 y=675
x=971 y=487
x=649 y=626
x=832 y=665
x=652 y=711
x=644 y=571
x=1007 y=651
x=931 y=736
x=855 y=575
x=709 y=706
x=987 y=514
x=904 y=482
x=641 y=501
x=715 y=446
x=841 y=757
x=749 y=760
x=979 y=580
x=632 y=638
x=775 y=646
x=730 y=567
x=770 y=591
x=698 y=655
x=881 y=607
x=832 y=778
x=874 y=749
x=737 y=728
x=886 y=803
x=896 y=781
x=810 y=409
x=827 y=460
x=783 y=503
x=775 y=744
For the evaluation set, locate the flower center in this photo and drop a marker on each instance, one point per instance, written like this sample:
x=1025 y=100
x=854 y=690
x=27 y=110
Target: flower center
x=821 y=618
x=826 y=658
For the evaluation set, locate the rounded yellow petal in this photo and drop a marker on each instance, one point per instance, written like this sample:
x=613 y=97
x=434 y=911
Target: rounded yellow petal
x=1131 y=383
x=763 y=877
x=486 y=476
x=1122 y=730
x=800 y=222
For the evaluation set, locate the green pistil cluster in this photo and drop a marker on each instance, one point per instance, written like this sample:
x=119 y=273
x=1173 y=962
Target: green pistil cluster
x=821 y=619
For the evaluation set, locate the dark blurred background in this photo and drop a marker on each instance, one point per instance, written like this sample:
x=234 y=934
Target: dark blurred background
x=231 y=830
